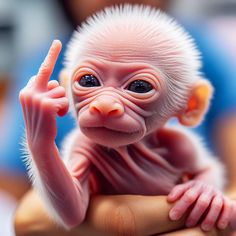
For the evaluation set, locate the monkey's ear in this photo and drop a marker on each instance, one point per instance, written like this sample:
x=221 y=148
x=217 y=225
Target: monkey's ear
x=198 y=104
x=64 y=78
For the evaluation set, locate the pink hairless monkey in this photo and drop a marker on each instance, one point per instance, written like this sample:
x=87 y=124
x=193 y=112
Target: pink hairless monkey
x=128 y=70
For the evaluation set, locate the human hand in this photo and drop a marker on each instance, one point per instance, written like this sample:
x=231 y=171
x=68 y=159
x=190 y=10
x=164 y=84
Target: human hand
x=41 y=101
x=203 y=198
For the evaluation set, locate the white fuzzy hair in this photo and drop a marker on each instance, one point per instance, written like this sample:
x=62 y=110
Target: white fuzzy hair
x=173 y=51
x=34 y=176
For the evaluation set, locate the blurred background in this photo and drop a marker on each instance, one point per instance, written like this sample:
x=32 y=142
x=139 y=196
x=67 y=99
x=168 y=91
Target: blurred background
x=27 y=28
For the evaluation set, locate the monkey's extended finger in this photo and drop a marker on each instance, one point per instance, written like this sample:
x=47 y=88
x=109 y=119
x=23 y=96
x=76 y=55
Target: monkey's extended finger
x=182 y=205
x=200 y=207
x=31 y=82
x=47 y=66
x=213 y=214
x=56 y=92
x=225 y=215
x=52 y=84
x=178 y=191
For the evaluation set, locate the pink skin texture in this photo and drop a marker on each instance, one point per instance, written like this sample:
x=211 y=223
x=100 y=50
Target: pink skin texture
x=129 y=69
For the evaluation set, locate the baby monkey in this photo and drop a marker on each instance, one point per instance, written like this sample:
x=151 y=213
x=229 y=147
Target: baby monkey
x=128 y=70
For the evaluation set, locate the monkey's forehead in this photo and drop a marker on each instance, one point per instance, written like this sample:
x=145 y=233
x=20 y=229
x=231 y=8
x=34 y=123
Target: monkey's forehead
x=132 y=46
x=134 y=33
x=121 y=48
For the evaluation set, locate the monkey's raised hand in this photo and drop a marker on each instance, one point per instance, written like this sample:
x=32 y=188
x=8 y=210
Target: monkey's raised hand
x=206 y=201
x=42 y=100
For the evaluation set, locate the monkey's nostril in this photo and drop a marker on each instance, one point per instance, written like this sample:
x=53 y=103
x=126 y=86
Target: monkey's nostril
x=116 y=110
x=114 y=113
x=94 y=110
x=94 y=107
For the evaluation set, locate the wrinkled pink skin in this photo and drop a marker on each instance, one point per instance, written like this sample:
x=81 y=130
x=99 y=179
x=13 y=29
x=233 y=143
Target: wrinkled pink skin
x=153 y=164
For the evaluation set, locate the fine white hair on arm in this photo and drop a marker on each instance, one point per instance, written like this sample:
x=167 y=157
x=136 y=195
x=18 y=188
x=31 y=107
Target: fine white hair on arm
x=36 y=181
x=205 y=159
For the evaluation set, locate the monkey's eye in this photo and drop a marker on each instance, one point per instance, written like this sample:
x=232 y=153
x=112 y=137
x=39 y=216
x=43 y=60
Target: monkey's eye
x=89 y=81
x=140 y=86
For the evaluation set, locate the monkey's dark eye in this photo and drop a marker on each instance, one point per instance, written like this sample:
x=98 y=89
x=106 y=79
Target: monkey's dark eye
x=140 y=86
x=89 y=81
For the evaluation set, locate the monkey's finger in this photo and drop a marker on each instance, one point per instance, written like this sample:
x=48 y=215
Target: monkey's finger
x=178 y=191
x=62 y=105
x=182 y=205
x=31 y=82
x=47 y=66
x=56 y=92
x=213 y=214
x=200 y=207
x=225 y=215
x=52 y=84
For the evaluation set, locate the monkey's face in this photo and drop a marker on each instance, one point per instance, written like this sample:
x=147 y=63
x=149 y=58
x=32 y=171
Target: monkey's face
x=132 y=69
x=116 y=102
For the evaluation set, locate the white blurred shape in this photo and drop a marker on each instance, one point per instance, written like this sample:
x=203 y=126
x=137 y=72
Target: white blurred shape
x=223 y=28
x=7 y=210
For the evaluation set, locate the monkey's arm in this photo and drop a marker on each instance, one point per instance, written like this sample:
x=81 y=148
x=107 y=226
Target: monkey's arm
x=202 y=192
x=66 y=195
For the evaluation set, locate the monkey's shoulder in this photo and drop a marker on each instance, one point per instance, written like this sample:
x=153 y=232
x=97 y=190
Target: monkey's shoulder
x=175 y=145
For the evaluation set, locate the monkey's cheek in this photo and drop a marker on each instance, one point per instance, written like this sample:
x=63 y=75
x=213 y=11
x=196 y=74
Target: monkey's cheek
x=112 y=138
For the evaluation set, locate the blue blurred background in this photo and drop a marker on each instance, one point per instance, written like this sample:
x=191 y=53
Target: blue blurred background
x=27 y=28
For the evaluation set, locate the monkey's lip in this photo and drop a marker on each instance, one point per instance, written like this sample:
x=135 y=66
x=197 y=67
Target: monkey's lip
x=105 y=129
x=110 y=137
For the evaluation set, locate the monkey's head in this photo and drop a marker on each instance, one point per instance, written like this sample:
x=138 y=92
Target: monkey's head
x=128 y=70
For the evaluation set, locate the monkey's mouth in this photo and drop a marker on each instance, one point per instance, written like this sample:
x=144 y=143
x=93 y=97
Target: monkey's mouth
x=103 y=129
x=110 y=137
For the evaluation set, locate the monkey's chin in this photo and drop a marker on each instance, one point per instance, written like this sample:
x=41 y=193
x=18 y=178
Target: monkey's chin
x=111 y=138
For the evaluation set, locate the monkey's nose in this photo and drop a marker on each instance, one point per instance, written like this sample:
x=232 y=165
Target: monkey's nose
x=106 y=106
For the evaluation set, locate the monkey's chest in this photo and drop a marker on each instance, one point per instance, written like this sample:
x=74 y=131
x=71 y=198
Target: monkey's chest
x=134 y=170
